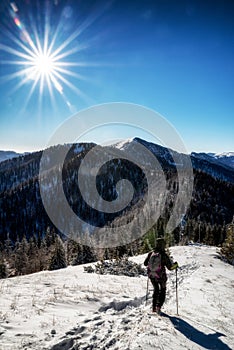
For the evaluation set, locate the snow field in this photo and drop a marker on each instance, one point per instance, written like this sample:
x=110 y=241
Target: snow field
x=69 y=309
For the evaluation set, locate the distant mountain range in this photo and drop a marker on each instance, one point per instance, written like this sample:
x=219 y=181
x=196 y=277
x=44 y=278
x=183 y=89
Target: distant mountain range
x=5 y=155
x=22 y=211
x=226 y=158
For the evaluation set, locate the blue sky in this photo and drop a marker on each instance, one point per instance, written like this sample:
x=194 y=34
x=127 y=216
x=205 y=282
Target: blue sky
x=175 y=57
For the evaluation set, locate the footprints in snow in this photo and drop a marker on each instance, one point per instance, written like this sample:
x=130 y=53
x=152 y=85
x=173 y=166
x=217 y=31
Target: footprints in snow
x=102 y=331
x=115 y=323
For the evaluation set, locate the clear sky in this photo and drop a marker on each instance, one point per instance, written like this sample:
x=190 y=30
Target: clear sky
x=58 y=57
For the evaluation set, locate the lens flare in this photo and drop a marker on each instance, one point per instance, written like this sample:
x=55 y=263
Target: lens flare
x=17 y=22
x=41 y=56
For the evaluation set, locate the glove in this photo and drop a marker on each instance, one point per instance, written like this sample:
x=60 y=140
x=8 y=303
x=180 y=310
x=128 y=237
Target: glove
x=174 y=266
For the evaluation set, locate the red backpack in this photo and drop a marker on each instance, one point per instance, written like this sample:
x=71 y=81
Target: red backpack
x=155 y=265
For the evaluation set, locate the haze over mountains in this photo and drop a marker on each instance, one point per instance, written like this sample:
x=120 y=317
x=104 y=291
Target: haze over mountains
x=5 y=155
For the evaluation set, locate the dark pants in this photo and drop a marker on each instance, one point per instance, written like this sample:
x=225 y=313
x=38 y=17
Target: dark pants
x=159 y=292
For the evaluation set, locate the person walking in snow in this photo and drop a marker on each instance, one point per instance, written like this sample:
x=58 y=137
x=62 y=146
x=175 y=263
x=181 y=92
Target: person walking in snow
x=156 y=262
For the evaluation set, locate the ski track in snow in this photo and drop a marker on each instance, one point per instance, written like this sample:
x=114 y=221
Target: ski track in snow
x=69 y=309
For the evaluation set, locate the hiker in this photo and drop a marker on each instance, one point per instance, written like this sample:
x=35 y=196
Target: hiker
x=156 y=262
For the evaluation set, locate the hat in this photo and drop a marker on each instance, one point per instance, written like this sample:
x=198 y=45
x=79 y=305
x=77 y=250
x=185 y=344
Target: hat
x=160 y=244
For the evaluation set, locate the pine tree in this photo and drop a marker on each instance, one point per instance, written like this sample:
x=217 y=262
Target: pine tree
x=33 y=256
x=72 y=249
x=58 y=259
x=3 y=268
x=187 y=232
x=228 y=247
x=169 y=239
x=8 y=246
x=21 y=257
x=149 y=240
x=50 y=237
x=84 y=255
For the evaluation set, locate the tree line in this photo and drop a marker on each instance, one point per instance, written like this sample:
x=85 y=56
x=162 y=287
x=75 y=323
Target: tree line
x=51 y=252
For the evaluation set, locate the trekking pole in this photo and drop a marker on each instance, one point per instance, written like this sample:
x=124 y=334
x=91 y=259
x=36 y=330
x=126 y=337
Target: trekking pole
x=177 y=307
x=147 y=289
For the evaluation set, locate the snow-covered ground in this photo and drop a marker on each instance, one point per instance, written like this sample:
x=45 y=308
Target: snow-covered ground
x=70 y=309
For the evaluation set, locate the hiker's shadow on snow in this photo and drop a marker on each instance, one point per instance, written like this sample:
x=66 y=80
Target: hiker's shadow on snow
x=207 y=341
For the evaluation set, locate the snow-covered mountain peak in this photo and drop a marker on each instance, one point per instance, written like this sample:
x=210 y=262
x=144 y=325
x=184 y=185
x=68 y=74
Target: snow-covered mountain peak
x=123 y=143
x=224 y=154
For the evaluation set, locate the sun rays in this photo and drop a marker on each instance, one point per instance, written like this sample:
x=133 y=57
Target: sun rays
x=42 y=58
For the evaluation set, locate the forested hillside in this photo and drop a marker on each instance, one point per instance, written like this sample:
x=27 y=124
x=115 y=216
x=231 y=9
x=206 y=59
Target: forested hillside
x=26 y=230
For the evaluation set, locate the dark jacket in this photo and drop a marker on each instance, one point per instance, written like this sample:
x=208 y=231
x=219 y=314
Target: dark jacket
x=165 y=260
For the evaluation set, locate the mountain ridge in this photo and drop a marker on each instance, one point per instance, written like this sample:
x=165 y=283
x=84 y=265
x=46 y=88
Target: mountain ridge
x=225 y=159
x=5 y=155
x=22 y=211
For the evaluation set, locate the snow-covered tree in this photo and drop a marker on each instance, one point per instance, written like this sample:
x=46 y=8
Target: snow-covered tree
x=58 y=258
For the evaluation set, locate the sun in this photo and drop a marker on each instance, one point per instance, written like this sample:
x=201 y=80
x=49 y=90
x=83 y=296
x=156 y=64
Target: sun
x=43 y=64
x=42 y=58
x=42 y=67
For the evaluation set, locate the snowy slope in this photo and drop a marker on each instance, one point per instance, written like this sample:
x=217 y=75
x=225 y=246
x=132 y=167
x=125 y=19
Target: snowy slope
x=89 y=311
